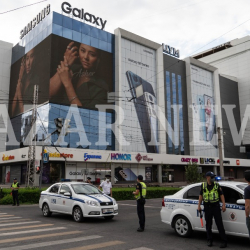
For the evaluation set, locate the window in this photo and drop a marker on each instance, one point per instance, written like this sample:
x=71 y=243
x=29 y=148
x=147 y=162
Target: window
x=192 y=193
x=54 y=189
x=65 y=189
x=231 y=195
x=85 y=189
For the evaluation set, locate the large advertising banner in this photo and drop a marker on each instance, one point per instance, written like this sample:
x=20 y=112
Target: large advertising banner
x=139 y=97
x=203 y=106
x=67 y=72
x=80 y=74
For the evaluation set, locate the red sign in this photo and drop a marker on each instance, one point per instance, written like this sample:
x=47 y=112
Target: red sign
x=189 y=160
x=237 y=162
x=8 y=158
x=139 y=157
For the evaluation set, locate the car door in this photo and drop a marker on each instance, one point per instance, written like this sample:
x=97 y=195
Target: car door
x=65 y=202
x=234 y=218
x=54 y=197
x=190 y=203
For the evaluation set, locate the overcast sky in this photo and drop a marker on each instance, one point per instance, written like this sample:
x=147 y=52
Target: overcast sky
x=188 y=25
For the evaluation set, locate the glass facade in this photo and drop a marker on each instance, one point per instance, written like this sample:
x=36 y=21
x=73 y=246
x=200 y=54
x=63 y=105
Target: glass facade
x=174 y=114
x=45 y=125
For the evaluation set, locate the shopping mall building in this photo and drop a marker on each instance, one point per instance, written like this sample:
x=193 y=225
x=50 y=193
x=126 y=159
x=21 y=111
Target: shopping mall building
x=134 y=106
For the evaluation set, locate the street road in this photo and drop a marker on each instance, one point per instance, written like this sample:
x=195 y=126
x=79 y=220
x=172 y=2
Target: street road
x=25 y=227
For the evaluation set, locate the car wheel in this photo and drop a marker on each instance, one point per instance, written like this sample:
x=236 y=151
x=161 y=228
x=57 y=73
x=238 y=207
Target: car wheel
x=46 y=211
x=77 y=214
x=182 y=226
x=109 y=217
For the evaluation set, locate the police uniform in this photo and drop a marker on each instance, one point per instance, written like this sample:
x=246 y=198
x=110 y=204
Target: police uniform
x=141 y=186
x=15 y=193
x=211 y=198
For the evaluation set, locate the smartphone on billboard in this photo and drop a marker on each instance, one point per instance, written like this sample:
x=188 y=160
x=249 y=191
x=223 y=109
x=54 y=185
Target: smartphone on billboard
x=144 y=100
x=130 y=175
x=209 y=116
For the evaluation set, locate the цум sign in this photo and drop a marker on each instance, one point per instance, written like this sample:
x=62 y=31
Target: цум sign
x=170 y=50
x=36 y=20
x=66 y=7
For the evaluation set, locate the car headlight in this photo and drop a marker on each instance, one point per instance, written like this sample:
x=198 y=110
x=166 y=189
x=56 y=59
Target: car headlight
x=92 y=203
x=114 y=202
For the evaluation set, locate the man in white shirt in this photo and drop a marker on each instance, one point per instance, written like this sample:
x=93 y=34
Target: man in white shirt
x=106 y=187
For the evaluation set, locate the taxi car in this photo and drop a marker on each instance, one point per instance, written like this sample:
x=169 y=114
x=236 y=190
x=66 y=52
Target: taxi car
x=78 y=199
x=180 y=210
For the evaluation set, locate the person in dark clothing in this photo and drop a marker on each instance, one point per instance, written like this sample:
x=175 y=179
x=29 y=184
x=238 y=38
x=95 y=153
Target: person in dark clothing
x=247 y=200
x=89 y=180
x=140 y=195
x=210 y=194
x=14 y=187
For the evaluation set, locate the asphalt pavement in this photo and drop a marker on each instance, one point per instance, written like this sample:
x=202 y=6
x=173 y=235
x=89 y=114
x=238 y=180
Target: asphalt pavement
x=24 y=227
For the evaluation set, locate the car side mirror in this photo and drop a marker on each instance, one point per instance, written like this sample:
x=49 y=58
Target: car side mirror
x=67 y=194
x=241 y=202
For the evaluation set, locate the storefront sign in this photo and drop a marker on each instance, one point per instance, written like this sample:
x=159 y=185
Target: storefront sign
x=58 y=155
x=88 y=157
x=139 y=157
x=207 y=160
x=237 y=162
x=36 y=20
x=8 y=157
x=66 y=7
x=189 y=160
x=170 y=50
x=45 y=158
x=224 y=162
x=121 y=157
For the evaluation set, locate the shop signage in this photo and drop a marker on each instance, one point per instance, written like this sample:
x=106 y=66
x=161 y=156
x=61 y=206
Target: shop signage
x=148 y=173
x=8 y=157
x=67 y=8
x=223 y=45
x=121 y=157
x=36 y=20
x=45 y=158
x=58 y=155
x=224 y=162
x=87 y=157
x=139 y=157
x=75 y=173
x=189 y=160
x=170 y=50
x=23 y=156
x=207 y=160
x=237 y=162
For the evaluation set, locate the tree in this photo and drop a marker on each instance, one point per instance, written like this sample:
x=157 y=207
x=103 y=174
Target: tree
x=192 y=173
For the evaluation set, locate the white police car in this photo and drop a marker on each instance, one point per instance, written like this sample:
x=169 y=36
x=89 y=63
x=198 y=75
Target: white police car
x=180 y=210
x=78 y=199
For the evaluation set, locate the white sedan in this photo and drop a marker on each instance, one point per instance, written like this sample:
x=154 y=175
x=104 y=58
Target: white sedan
x=180 y=210
x=78 y=199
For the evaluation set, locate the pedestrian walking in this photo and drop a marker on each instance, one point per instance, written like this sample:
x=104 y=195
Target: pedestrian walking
x=210 y=194
x=247 y=200
x=106 y=186
x=14 y=187
x=140 y=195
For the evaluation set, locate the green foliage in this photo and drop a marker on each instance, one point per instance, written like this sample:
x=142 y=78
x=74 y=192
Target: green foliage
x=32 y=195
x=192 y=174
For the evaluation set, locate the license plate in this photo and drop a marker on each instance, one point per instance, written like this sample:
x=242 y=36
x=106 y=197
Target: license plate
x=108 y=211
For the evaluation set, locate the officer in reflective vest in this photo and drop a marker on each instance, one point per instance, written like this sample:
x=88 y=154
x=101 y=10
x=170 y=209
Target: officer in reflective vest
x=140 y=195
x=14 y=187
x=210 y=194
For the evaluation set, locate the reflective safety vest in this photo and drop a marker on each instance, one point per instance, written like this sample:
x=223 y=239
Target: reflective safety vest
x=144 y=191
x=210 y=196
x=14 y=185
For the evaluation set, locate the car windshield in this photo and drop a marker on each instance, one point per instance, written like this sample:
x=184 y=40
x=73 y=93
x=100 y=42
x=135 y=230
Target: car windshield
x=85 y=189
x=242 y=187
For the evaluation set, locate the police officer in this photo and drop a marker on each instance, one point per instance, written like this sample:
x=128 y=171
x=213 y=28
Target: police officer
x=140 y=195
x=210 y=194
x=89 y=180
x=14 y=187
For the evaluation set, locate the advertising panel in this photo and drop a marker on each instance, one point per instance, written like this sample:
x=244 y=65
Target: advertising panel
x=80 y=74
x=139 y=94
x=66 y=72
x=30 y=70
x=203 y=106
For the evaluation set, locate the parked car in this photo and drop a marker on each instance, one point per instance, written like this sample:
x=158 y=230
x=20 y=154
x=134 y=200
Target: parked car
x=180 y=210
x=78 y=199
